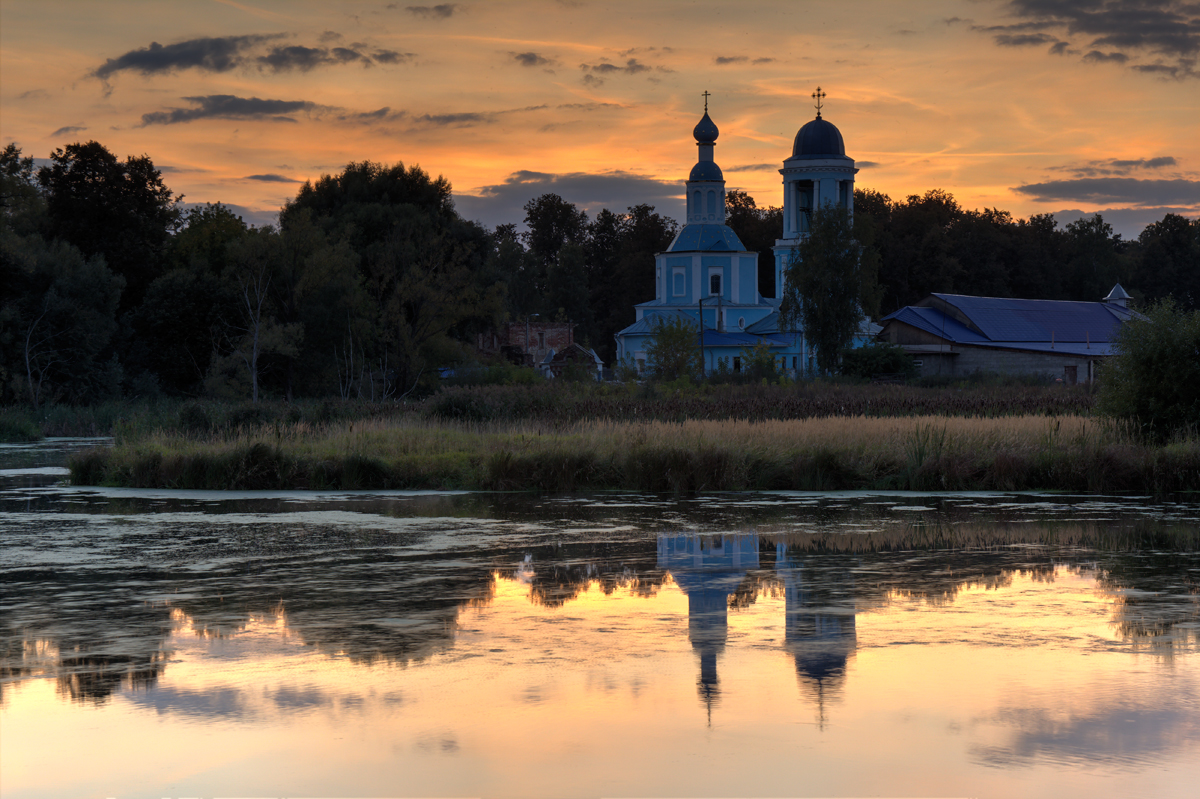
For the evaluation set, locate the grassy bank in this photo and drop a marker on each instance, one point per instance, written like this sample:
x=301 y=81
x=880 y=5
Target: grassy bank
x=931 y=453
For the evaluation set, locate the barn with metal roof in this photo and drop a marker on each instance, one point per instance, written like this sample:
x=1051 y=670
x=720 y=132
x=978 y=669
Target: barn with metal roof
x=954 y=334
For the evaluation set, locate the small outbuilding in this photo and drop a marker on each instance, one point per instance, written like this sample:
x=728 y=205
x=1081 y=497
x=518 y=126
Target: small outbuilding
x=956 y=335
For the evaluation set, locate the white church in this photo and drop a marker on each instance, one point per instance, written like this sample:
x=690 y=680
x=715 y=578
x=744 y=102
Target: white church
x=707 y=276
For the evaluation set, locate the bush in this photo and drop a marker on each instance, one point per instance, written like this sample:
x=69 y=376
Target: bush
x=15 y=425
x=1152 y=384
x=877 y=358
x=674 y=351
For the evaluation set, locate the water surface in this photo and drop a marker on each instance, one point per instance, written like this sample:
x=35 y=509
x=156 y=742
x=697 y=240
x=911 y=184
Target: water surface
x=161 y=643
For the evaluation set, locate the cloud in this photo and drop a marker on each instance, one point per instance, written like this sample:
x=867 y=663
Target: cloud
x=441 y=11
x=762 y=61
x=1025 y=39
x=1109 y=190
x=1125 y=29
x=867 y=164
x=227 y=106
x=271 y=177
x=210 y=54
x=755 y=168
x=1116 y=166
x=329 y=36
x=392 y=57
x=33 y=94
x=532 y=59
x=1097 y=57
x=1129 y=222
x=617 y=190
x=605 y=69
x=303 y=59
x=67 y=131
x=730 y=59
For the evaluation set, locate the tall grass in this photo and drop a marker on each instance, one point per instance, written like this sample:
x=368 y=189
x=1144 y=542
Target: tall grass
x=860 y=452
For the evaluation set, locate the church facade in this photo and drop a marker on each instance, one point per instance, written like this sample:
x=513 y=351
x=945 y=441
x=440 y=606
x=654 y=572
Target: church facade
x=709 y=279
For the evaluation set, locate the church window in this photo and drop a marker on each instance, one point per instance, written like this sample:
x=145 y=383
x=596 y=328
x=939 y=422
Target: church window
x=844 y=193
x=680 y=283
x=741 y=323
x=695 y=202
x=737 y=364
x=714 y=285
x=712 y=202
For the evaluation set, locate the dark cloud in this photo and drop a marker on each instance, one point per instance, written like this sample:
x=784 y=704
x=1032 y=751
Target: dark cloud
x=441 y=11
x=67 y=131
x=1097 y=57
x=762 y=61
x=531 y=59
x=503 y=203
x=1130 y=191
x=392 y=57
x=632 y=67
x=227 y=106
x=1025 y=39
x=303 y=59
x=1129 y=222
x=1116 y=166
x=211 y=54
x=1114 y=31
x=755 y=168
x=1061 y=48
x=271 y=177
x=730 y=59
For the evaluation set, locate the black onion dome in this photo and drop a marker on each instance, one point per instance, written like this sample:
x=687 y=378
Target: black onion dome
x=706 y=130
x=819 y=139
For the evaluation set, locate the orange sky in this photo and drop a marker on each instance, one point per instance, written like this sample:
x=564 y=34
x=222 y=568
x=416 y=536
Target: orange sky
x=238 y=101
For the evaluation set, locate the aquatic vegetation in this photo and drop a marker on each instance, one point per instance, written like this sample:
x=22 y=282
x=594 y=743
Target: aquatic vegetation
x=927 y=453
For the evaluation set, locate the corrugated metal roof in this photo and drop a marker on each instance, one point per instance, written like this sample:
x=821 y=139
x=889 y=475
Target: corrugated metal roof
x=1039 y=320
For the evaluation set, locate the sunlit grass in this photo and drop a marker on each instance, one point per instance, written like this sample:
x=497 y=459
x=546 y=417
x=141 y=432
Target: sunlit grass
x=917 y=452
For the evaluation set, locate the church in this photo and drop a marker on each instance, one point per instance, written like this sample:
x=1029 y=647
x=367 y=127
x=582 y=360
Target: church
x=708 y=278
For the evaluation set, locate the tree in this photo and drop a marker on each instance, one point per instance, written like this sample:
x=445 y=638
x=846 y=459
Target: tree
x=876 y=358
x=674 y=350
x=1169 y=260
x=1152 y=383
x=103 y=206
x=830 y=283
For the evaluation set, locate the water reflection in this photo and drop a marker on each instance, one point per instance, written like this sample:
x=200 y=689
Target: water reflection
x=757 y=621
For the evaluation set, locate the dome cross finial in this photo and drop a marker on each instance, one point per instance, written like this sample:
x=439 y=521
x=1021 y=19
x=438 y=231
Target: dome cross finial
x=818 y=95
x=706 y=96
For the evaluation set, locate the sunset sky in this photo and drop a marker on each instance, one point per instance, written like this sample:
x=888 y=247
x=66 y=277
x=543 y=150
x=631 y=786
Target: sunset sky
x=1031 y=106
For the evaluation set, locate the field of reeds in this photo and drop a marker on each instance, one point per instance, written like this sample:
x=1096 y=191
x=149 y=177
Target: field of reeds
x=920 y=452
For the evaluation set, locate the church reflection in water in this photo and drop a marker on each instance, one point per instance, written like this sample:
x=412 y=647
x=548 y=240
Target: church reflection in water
x=819 y=608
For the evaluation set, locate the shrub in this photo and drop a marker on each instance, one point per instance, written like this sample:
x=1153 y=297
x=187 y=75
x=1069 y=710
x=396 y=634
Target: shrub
x=674 y=351
x=15 y=425
x=1152 y=384
x=877 y=358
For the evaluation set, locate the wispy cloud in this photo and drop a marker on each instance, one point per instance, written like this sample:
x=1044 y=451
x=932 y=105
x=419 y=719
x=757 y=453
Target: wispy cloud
x=440 y=11
x=1130 y=191
x=227 y=106
x=209 y=54
x=67 y=131
x=271 y=177
x=532 y=59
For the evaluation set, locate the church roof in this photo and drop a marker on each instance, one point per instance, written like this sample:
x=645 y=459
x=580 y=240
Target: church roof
x=819 y=139
x=706 y=130
x=705 y=170
x=706 y=238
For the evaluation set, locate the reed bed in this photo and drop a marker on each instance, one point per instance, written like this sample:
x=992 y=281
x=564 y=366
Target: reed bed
x=929 y=453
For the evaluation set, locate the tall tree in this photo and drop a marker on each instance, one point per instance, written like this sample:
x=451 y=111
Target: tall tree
x=1169 y=260
x=830 y=282
x=119 y=209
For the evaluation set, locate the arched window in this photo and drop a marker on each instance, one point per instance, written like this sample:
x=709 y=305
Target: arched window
x=696 y=202
x=712 y=202
x=714 y=285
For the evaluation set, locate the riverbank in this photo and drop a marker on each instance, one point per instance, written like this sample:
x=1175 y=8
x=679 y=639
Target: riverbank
x=926 y=453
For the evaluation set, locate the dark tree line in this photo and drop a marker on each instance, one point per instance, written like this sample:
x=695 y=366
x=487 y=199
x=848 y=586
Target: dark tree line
x=372 y=280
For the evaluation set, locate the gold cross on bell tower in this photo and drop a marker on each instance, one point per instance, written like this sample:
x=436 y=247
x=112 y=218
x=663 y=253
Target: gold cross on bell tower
x=706 y=96
x=818 y=95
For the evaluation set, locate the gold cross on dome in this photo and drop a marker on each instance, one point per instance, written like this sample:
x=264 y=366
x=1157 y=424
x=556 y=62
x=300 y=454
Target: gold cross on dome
x=706 y=96
x=818 y=95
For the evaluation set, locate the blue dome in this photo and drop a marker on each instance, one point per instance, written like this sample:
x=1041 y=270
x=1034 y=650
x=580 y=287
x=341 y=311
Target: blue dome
x=706 y=170
x=706 y=130
x=819 y=139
